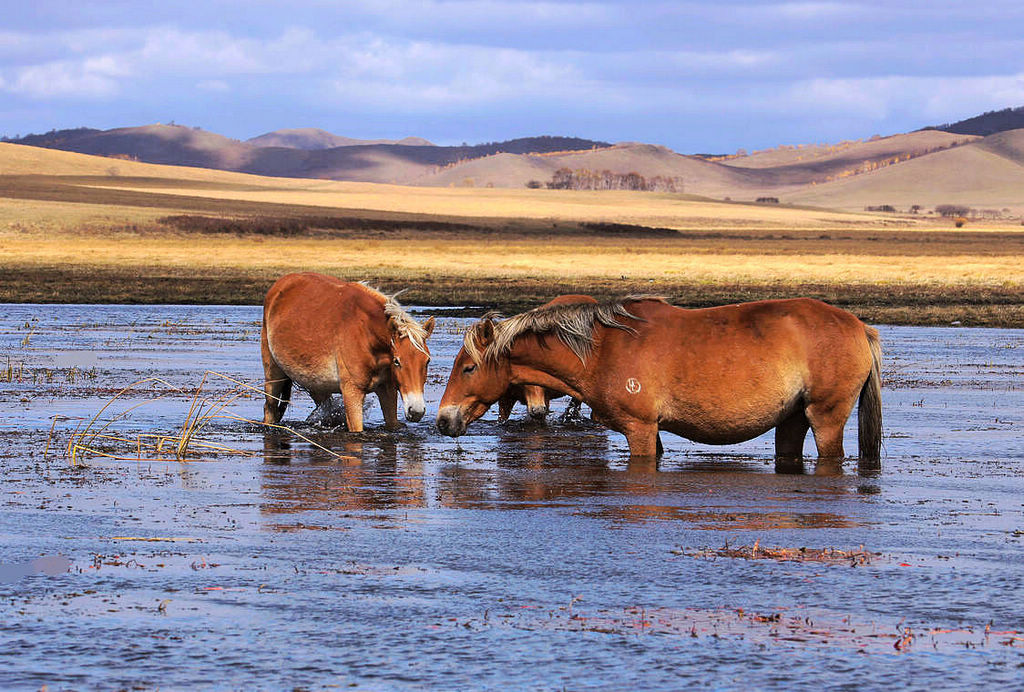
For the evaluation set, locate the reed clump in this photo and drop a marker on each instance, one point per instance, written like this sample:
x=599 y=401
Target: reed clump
x=94 y=436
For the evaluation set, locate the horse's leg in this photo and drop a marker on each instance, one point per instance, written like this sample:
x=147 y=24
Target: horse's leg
x=789 y=436
x=322 y=415
x=505 y=405
x=642 y=439
x=661 y=449
x=352 y=397
x=572 y=411
x=387 y=394
x=827 y=420
x=277 y=388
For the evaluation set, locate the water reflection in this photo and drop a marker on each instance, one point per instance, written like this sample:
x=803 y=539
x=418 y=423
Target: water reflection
x=525 y=468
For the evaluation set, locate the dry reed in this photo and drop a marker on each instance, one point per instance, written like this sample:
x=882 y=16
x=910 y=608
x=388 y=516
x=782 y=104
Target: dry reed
x=91 y=436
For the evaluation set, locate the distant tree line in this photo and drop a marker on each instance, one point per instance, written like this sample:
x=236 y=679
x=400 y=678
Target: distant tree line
x=951 y=210
x=987 y=123
x=585 y=179
x=51 y=138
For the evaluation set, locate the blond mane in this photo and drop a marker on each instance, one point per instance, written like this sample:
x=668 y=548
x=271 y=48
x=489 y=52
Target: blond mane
x=404 y=324
x=572 y=323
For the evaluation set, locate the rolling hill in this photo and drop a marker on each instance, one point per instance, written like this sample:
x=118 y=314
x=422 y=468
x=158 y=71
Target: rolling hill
x=926 y=167
x=987 y=173
x=305 y=155
x=694 y=175
x=312 y=138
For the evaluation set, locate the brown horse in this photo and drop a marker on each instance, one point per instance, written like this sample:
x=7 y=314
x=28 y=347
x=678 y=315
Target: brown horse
x=537 y=399
x=328 y=335
x=716 y=376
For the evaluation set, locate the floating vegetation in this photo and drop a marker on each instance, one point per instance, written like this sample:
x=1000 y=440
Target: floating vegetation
x=831 y=556
x=780 y=627
x=18 y=373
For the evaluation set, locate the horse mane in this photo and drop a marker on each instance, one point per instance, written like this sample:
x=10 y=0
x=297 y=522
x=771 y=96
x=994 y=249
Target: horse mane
x=572 y=323
x=403 y=323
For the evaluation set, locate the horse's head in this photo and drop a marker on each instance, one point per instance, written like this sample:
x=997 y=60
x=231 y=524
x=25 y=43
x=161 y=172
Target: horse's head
x=476 y=381
x=533 y=396
x=409 y=358
x=536 y=400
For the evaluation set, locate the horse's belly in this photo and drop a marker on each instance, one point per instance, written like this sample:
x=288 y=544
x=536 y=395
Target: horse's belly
x=311 y=376
x=716 y=433
x=724 y=425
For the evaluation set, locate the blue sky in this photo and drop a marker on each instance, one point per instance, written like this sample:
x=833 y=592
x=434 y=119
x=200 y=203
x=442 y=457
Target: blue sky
x=694 y=76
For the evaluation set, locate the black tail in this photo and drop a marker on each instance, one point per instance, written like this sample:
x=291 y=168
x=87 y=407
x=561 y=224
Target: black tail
x=869 y=411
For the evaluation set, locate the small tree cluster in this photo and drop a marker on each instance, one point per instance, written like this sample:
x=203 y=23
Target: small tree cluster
x=952 y=210
x=584 y=179
x=767 y=200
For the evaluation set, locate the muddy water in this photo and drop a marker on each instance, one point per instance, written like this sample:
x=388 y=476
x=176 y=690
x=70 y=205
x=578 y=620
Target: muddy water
x=523 y=556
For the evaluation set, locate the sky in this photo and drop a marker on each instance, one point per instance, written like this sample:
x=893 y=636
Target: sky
x=698 y=77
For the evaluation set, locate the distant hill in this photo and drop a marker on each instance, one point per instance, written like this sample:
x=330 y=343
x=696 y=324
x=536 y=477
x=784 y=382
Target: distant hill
x=987 y=173
x=691 y=174
x=395 y=162
x=987 y=123
x=311 y=138
x=925 y=168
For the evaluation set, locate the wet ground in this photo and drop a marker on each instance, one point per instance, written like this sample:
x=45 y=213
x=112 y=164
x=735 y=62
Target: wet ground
x=523 y=556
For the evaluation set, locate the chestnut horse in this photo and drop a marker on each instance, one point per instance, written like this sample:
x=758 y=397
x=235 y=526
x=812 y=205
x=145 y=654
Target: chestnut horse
x=537 y=399
x=328 y=335
x=716 y=376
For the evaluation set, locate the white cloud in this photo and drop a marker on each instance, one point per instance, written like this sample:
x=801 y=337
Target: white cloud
x=396 y=76
x=97 y=77
x=877 y=98
x=805 y=11
x=481 y=14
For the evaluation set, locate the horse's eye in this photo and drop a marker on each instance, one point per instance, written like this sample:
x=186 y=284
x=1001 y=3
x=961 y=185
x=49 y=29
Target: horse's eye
x=468 y=370
x=398 y=362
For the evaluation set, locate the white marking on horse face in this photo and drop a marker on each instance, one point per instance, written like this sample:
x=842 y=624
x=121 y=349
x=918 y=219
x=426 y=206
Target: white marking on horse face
x=633 y=385
x=415 y=407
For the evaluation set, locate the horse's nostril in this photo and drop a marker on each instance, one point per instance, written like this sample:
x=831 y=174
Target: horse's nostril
x=443 y=424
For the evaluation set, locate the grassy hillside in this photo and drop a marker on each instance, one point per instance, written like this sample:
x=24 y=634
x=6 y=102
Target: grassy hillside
x=160 y=234
x=981 y=175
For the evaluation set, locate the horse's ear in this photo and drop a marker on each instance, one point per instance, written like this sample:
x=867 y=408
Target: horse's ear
x=428 y=326
x=486 y=333
x=393 y=326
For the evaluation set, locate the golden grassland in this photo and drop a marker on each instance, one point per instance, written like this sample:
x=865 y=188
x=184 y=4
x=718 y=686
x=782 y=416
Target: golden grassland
x=87 y=236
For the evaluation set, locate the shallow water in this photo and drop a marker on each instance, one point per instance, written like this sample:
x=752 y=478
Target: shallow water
x=523 y=555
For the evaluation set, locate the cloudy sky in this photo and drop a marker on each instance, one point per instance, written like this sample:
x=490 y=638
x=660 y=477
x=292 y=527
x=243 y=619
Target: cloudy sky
x=696 y=76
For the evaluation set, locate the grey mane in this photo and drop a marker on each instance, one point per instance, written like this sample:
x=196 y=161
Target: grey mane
x=572 y=323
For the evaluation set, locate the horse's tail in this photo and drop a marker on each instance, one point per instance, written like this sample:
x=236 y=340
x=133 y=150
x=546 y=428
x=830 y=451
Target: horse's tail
x=869 y=411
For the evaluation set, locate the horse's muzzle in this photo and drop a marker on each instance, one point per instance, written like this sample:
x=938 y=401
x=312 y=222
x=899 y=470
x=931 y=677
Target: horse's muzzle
x=450 y=421
x=538 y=412
x=414 y=407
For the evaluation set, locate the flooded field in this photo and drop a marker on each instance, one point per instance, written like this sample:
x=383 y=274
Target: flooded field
x=524 y=555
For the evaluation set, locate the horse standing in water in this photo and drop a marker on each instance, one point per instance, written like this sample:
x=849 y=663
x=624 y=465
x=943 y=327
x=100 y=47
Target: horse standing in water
x=537 y=399
x=716 y=376
x=328 y=335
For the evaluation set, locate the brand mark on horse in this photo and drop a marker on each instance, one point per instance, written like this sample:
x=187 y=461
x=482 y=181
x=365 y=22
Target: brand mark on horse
x=632 y=385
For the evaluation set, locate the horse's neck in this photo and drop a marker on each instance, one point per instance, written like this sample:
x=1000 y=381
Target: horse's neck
x=552 y=365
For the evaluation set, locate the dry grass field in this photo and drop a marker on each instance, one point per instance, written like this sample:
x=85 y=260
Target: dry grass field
x=145 y=233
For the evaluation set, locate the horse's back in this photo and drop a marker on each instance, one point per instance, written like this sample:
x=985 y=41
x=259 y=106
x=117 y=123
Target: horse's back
x=309 y=319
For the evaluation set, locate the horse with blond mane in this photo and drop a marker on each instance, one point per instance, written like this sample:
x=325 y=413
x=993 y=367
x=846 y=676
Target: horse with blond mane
x=328 y=336
x=718 y=375
x=538 y=399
